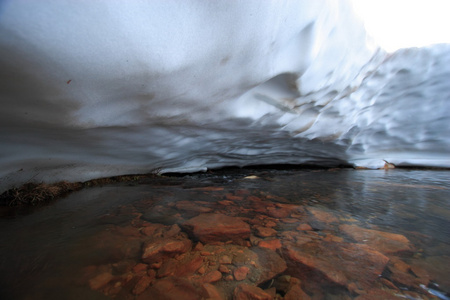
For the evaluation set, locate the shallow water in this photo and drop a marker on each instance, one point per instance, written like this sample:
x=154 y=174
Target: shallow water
x=57 y=250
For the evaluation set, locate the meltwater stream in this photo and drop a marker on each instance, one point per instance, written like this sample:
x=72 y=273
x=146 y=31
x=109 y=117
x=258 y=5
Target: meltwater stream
x=275 y=234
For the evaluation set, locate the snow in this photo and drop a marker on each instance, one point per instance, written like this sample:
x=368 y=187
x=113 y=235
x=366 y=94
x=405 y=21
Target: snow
x=101 y=88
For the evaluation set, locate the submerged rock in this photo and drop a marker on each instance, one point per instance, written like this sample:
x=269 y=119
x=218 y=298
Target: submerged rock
x=334 y=263
x=217 y=227
x=385 y=242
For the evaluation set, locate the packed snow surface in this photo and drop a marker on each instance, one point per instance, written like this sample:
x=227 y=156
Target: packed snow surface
x=104 y=88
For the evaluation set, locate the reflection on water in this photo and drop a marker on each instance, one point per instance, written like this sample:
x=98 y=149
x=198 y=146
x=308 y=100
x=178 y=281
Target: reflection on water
x=337 y=234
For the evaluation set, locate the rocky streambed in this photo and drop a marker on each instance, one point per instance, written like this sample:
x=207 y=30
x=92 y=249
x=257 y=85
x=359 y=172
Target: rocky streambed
x=242 y=238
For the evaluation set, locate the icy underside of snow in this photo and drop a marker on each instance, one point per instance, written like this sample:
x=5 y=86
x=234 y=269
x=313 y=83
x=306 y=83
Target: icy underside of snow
x=106 y=88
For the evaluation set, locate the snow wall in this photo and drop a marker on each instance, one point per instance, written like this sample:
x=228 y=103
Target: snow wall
x=100 y=88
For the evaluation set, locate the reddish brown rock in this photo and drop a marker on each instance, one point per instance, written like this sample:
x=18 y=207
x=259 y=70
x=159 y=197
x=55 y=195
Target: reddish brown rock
x=295 y=292
x=278 y=213
x=172 y=288
x=100 y=280
x=335 y=263
x=140 y=268
x=211 y=292
x=217 y=227
x=249 y=292
x=224 y=269
x=185 y=267
x=262 y=231
x=142 y=285
x=191 y=206
x=150 y=229
x=272 y=244
x=385 y=242
x=269 y=264
x=156 y=250
x=212 y=276
x=241 y=273
x=322 y=215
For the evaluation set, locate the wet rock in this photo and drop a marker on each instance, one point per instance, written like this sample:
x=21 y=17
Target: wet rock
x=241 y=273
x=272 y=244
x=225 y=259
x=295 y=292
x=224 y=269
x=156 y=250
x=377 y=294
x=249 y=292
x=149 y=229
x=264 y=231
x=217 y=227
x=211 y=292
x=162 y=214
x=335 y=263
x=269 y=265
x=192 y=207
x=322 y=215
x=304 y=227
x=172 y=288
x=140 y=268
x=173 y=267
x=100 y=280
x=385 y=242
x=142 y=285
x=212 y=276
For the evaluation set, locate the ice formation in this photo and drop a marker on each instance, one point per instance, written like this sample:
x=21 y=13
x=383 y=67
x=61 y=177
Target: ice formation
x=117 y=87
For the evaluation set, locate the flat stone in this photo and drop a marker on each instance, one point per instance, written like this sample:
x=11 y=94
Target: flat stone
x=336 y=263
x=142 y=285
x=212 y=276
x=241 y=273
x=250 y=292
x=322 y=215
x=269 y=264
x=262 y=231
x=272 y=244
x=100 y=280
x=172 y=288
x=217 y=227
x=154 y=251
x=384 y=242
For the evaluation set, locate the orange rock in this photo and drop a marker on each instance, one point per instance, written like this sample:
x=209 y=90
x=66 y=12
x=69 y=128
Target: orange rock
x=337 y=263
x=249 y=292
x=224 y=269
x=385 y=242
x=241 y=273
x=304 y=227
x=154 y=251
x=212 y=276
x=180 y=268
x=273 y=244
x=217 y=227
x=172 y=288
x=140 y=267
x=295 y=292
